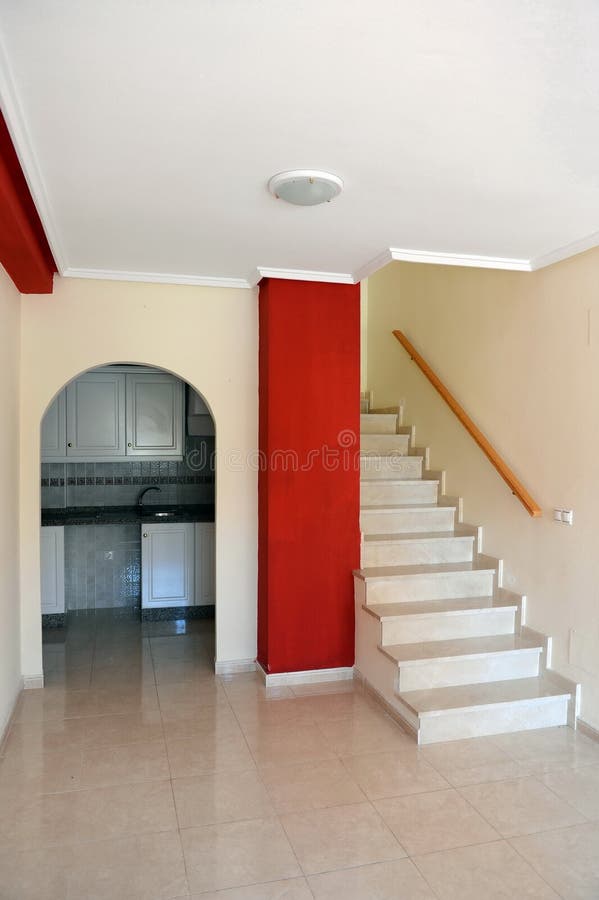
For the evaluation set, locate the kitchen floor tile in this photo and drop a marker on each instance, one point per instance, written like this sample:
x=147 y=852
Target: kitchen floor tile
x=397 y=880
x=221 y=797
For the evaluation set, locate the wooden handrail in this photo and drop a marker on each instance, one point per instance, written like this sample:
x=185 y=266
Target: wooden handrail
x=504 y=470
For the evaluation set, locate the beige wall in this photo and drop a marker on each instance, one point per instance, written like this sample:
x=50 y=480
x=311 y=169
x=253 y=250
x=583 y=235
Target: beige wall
x=521 y=352
x=208 y=337
x=10 y=662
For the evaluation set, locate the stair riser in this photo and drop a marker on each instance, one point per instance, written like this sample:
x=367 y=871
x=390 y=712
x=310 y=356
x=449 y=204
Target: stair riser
x=388 y=493
x=447 y=586
x=479 y=721
x=391 y=467
x=378 y=424
x=414 y=553
x=407 y=521
x=385 y=443
x=450 y=672
x=447 y=627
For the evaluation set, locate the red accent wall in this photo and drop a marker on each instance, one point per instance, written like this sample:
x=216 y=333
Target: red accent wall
x=309 y=483
x=24 y=250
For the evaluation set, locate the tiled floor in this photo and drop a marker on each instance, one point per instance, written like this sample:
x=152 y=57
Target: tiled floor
x=136 y=773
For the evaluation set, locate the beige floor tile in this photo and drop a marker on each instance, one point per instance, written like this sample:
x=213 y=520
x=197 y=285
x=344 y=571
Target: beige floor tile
x=71 y=679
x=199 y=720
x=339 y=837
x=203 y=693
x=343 y=686
x=221 y=797
x=424 y=823
x=54 y=702
x=393 y=774
x=473 y=761
x=397 y=880
x=522 y=806
x=280 y=745
x=578 y=787
x=483 y=872
x=179 y=671
x=290 y=889
x=59 y=770
x=328 y=707
x=263 y=713
x=236 y=854
x=312 y=785
x=147 y=867
x=365 y=734
x=567 y=858
x=189 y=711
x=549 y=748
x=142 y=726
x=125 y=764
x=27 y=740
x=122 y=700
x=126 y=675
x=81 y=816
x=209 y=752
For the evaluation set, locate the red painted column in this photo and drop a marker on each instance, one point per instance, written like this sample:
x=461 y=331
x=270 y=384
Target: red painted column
x=309 y=483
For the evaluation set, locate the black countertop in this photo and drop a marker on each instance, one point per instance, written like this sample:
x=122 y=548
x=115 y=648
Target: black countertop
x=125 y=515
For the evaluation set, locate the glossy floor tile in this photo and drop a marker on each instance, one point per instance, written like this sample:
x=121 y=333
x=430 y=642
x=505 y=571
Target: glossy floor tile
x=138 y=774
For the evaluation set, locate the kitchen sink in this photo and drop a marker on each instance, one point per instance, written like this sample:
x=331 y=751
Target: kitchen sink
x=163 y=515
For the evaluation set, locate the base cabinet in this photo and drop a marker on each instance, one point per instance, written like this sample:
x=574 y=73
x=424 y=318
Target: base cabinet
x=52 y=569
x=205 y=564
x=167 y=565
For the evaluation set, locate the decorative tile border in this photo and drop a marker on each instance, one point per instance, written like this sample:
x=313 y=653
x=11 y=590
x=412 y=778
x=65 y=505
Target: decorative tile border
x=119 y=480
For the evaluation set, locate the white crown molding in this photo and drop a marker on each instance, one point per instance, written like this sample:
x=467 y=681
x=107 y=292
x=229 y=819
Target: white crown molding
x=369 y=268
x=159 y=278
x=565 y=252
x=460 y=259
x=21 y=138
x=306 y=275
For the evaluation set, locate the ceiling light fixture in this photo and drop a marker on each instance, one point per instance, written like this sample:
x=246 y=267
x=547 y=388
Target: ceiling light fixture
x=305 y=187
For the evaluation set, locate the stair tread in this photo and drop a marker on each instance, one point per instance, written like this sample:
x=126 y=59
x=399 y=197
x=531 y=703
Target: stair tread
x=457 y=647
x=383 y=507
x=416 y=536
x=435 y=701
x=424 y=569
x=430 y=607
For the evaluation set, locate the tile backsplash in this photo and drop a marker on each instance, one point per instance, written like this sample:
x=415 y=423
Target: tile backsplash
x=119 y=484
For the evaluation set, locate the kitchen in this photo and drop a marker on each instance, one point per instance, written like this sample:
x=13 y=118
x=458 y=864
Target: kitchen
x=127 y=495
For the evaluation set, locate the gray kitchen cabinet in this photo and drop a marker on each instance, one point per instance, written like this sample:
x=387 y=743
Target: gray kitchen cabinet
x=205 y=587
x=154 y=404
x=54 y=429
x=52 y=569
x=96 y=416
x=167 y=564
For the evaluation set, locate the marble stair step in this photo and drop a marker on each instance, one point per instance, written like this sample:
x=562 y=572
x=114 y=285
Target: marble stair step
x=374 y=467
x=473 y=660
x=418 y=548
x=407 y=518
x=440 y=581
x=378 y=423
x=385 y=444
x=389 y=491
x=473 y=710
x=438 y=620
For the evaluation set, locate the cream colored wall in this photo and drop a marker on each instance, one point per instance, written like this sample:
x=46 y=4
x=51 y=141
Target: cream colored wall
x=520 y=351
x=208 y=337
x=10 y=662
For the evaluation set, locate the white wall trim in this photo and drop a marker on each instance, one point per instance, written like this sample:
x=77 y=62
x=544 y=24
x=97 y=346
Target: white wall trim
x=587 y=729
x=33 y=682
x=373 y=265
x=21 y=138
x=565 y=252
x=461 y=259
x=234 y=666
x=306 y=275
x=158 y=278
x=4 y=726
x=307 y=676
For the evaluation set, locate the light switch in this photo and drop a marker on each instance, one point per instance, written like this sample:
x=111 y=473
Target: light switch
x=567 y=516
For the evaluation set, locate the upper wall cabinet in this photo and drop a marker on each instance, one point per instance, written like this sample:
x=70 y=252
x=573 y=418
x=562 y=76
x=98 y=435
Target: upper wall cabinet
x=154 y=415
x=54 y=429
x=109 y=415
x=96 y=416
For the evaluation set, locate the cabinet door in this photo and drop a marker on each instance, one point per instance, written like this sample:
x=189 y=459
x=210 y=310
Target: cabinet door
x=167 y=565
x=96 y=415
x=54 y=429
x=52 y=569
x=154 y=415
x=205 y=564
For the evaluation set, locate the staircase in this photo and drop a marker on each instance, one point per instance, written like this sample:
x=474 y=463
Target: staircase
x=438 y=638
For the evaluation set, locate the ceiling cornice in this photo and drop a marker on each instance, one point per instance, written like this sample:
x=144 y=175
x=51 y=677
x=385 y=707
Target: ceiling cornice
x=158 y=278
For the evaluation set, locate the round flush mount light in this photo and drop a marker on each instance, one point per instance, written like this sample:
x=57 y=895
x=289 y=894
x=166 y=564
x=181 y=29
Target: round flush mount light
x=305 y=187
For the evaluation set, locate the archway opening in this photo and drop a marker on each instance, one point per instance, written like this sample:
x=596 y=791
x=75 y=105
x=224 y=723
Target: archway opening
x=128 y=481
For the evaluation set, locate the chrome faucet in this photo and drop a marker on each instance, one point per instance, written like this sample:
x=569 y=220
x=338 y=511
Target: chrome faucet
x=140 y=499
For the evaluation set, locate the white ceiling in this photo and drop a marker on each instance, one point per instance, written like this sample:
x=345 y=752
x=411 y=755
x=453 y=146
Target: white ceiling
x=466 y=131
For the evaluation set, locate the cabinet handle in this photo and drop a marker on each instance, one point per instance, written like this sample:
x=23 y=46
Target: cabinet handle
x=129 y=444
x=145 y=533
x=69 y=444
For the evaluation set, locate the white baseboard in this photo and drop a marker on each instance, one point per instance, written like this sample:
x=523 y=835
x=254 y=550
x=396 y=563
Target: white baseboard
x=32 y=682
x=587 y=729
x=5 y=725
x=308 y=676
x=234 y=666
